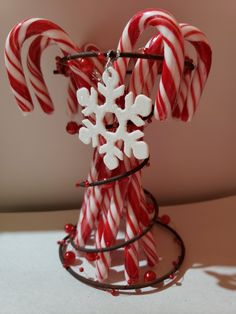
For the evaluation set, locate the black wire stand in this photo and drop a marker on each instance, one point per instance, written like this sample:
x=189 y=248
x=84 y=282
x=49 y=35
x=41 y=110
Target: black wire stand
x=156 y=222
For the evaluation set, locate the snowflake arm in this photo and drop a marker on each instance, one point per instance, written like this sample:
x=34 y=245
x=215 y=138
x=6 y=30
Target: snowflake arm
x=88 y=101
x=89 y=133
x=141 y=106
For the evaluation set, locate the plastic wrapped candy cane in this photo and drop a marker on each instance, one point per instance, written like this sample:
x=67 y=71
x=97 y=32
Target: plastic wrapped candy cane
x=192 y=82
x=145 y=72
x=14 y=42
x=142 y=81
x=204 y=57
x=143 y=78
x=173 y=55
x=36 y=49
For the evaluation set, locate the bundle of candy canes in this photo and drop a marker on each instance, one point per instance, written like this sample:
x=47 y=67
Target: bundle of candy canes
x=178 y=93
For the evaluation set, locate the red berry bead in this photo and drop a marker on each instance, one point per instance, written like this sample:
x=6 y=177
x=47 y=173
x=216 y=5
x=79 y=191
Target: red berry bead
x=101 y=56
x=91 y=257
x=72 y=127
x=69 y=228
x=69 y=258
x=81 y=269
x=86 y=183
x=86 y=65
x=165 y=219
x=171 y=276
x=150 y=276
x=114 y=292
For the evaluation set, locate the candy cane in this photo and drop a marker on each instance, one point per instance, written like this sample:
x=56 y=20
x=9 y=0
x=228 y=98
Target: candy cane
x=14 y=43
x=99 y=64
x=137 y=218
x=173 y=55
x=111 y=226
x=37 y=47
x=91 y=204
x=140 y=83
x=40 y=89
x=147 y=240
x=36 y=77
x=145 y=71
x=71 y=97
x=201 y=72
x=39 y=44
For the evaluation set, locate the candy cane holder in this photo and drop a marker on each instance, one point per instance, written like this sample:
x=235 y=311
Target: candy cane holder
x=113 y=91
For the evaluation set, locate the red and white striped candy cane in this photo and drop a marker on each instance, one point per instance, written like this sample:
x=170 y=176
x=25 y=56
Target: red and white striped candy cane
x=37 y=47
x=98 y=63
x=91 y=205
x=137 y=218
x=155 y=68
x=145 y=216
x=39 y=44
x=72 y=102
x=117 y=193
x=132 y=229
x=198 y=79
x=173 y=55
x=143 y=78
x=145 y=71
x=15 y=40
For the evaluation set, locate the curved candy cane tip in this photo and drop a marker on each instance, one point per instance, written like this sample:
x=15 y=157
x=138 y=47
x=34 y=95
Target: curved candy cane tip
x=37 y=47
x=193 y=85
x=173 y=50
x=90 y=47
x=185 y=116
x=15 y=40
x=206 y=54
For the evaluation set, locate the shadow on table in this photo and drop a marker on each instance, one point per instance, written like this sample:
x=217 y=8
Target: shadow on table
x=208 y=230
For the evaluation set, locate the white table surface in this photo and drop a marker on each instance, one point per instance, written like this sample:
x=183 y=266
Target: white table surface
x=32 y=280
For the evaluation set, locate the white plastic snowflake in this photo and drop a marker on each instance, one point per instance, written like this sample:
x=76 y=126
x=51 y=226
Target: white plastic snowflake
x=141 y=106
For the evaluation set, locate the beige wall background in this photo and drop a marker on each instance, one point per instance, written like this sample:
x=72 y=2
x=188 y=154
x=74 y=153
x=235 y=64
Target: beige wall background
x=40 y=162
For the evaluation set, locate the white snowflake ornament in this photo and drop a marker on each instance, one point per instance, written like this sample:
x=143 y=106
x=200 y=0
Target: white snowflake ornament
x=134 y=109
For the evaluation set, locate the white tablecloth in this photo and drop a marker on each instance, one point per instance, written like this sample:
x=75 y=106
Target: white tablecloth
x=32 y=280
